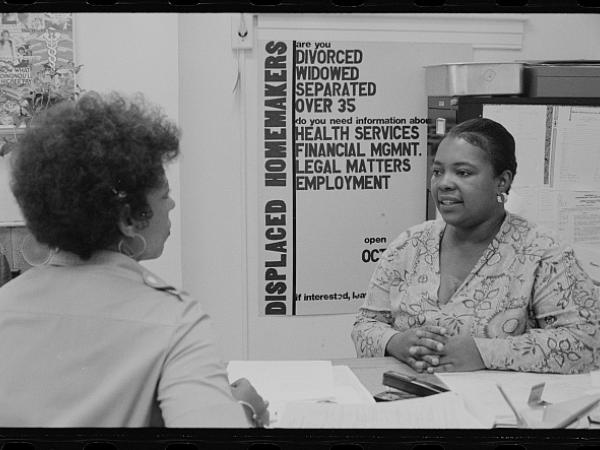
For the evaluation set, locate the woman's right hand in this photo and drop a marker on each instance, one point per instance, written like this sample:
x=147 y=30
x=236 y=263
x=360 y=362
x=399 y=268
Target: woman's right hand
x=421 y=348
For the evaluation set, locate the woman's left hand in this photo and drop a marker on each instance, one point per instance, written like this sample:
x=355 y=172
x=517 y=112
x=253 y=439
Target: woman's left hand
x=460 y=354
x=254 y=405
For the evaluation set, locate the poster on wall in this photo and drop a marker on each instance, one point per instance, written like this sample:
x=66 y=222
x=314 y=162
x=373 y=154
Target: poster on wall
x=36 y=61
x=342 y=168
x=36 y=70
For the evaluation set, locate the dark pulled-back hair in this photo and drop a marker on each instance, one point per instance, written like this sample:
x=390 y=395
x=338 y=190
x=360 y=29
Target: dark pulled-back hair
x=491 y=137
x=83 y=162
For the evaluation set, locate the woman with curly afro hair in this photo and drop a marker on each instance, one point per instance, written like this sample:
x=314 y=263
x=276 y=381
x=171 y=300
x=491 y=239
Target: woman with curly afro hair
x=90 y=338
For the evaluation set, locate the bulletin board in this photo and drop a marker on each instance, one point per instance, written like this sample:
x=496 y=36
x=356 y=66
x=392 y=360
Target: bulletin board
x=557 y=185
x=558 y=174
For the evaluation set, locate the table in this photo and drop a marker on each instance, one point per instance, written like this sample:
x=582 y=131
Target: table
x=370 y=371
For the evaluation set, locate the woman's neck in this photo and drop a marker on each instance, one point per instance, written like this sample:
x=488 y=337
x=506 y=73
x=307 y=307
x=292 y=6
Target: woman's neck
x=482 y=233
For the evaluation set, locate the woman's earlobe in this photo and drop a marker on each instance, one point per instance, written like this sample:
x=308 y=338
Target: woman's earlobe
x=126 y=223
x=126 y=227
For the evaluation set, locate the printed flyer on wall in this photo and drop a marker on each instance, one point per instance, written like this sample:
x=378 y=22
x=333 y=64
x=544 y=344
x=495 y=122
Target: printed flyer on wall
x=36 y=70
x=36 y=61
x=343 y=160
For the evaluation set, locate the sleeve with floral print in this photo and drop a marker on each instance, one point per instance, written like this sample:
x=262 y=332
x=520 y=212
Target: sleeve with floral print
x=373 y=327
x=567 y=313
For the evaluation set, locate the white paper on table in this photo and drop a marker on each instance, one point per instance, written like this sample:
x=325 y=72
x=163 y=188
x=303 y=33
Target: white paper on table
x=348 y=389
x=286 y=380
x=445 y=410
x=483 y=397
x=281 y=382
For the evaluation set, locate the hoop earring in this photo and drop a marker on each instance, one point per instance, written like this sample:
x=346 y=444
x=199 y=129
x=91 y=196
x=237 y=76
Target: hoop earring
x=128 y=248
x=35 y=253
x=501 y=197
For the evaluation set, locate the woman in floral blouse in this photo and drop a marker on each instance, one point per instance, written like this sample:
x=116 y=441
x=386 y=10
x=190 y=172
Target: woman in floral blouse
x=482 y=288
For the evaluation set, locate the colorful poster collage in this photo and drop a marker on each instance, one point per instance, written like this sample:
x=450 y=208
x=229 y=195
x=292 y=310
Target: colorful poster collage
x=36 y=64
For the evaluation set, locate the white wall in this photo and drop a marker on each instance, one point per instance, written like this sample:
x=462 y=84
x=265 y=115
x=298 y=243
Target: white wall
x=213 y=164
x=185 y=63
x=136 y=53
x=212 y=176
x=553 y=36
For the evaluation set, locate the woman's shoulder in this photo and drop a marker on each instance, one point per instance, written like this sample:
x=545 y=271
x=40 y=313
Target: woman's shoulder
x=425 y=233
x=164 y=289
x=427 y=228
x=178 y=304
x=151 y=299
x=110 y=288
x=136 y=293
x=534 y=237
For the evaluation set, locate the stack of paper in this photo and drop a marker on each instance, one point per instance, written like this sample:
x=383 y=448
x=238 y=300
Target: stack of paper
x=282 y=382
x=445 y=410
x=286 y=380
x=348 y=389
x=483 y=399
x=569 y=413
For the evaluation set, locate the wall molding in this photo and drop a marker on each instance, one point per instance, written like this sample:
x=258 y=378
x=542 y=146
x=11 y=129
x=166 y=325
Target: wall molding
x=482 y=31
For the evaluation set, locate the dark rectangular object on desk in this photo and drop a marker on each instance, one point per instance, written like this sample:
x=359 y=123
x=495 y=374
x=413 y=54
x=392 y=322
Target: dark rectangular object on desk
x=410 y=384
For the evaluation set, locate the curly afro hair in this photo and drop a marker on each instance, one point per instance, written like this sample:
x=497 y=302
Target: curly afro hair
x=82 y=162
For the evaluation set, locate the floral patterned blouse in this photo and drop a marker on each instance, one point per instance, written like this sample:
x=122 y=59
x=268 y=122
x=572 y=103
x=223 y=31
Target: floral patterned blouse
x=527 y=301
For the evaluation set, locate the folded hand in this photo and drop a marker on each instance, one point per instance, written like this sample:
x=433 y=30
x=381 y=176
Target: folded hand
x=419 y=347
